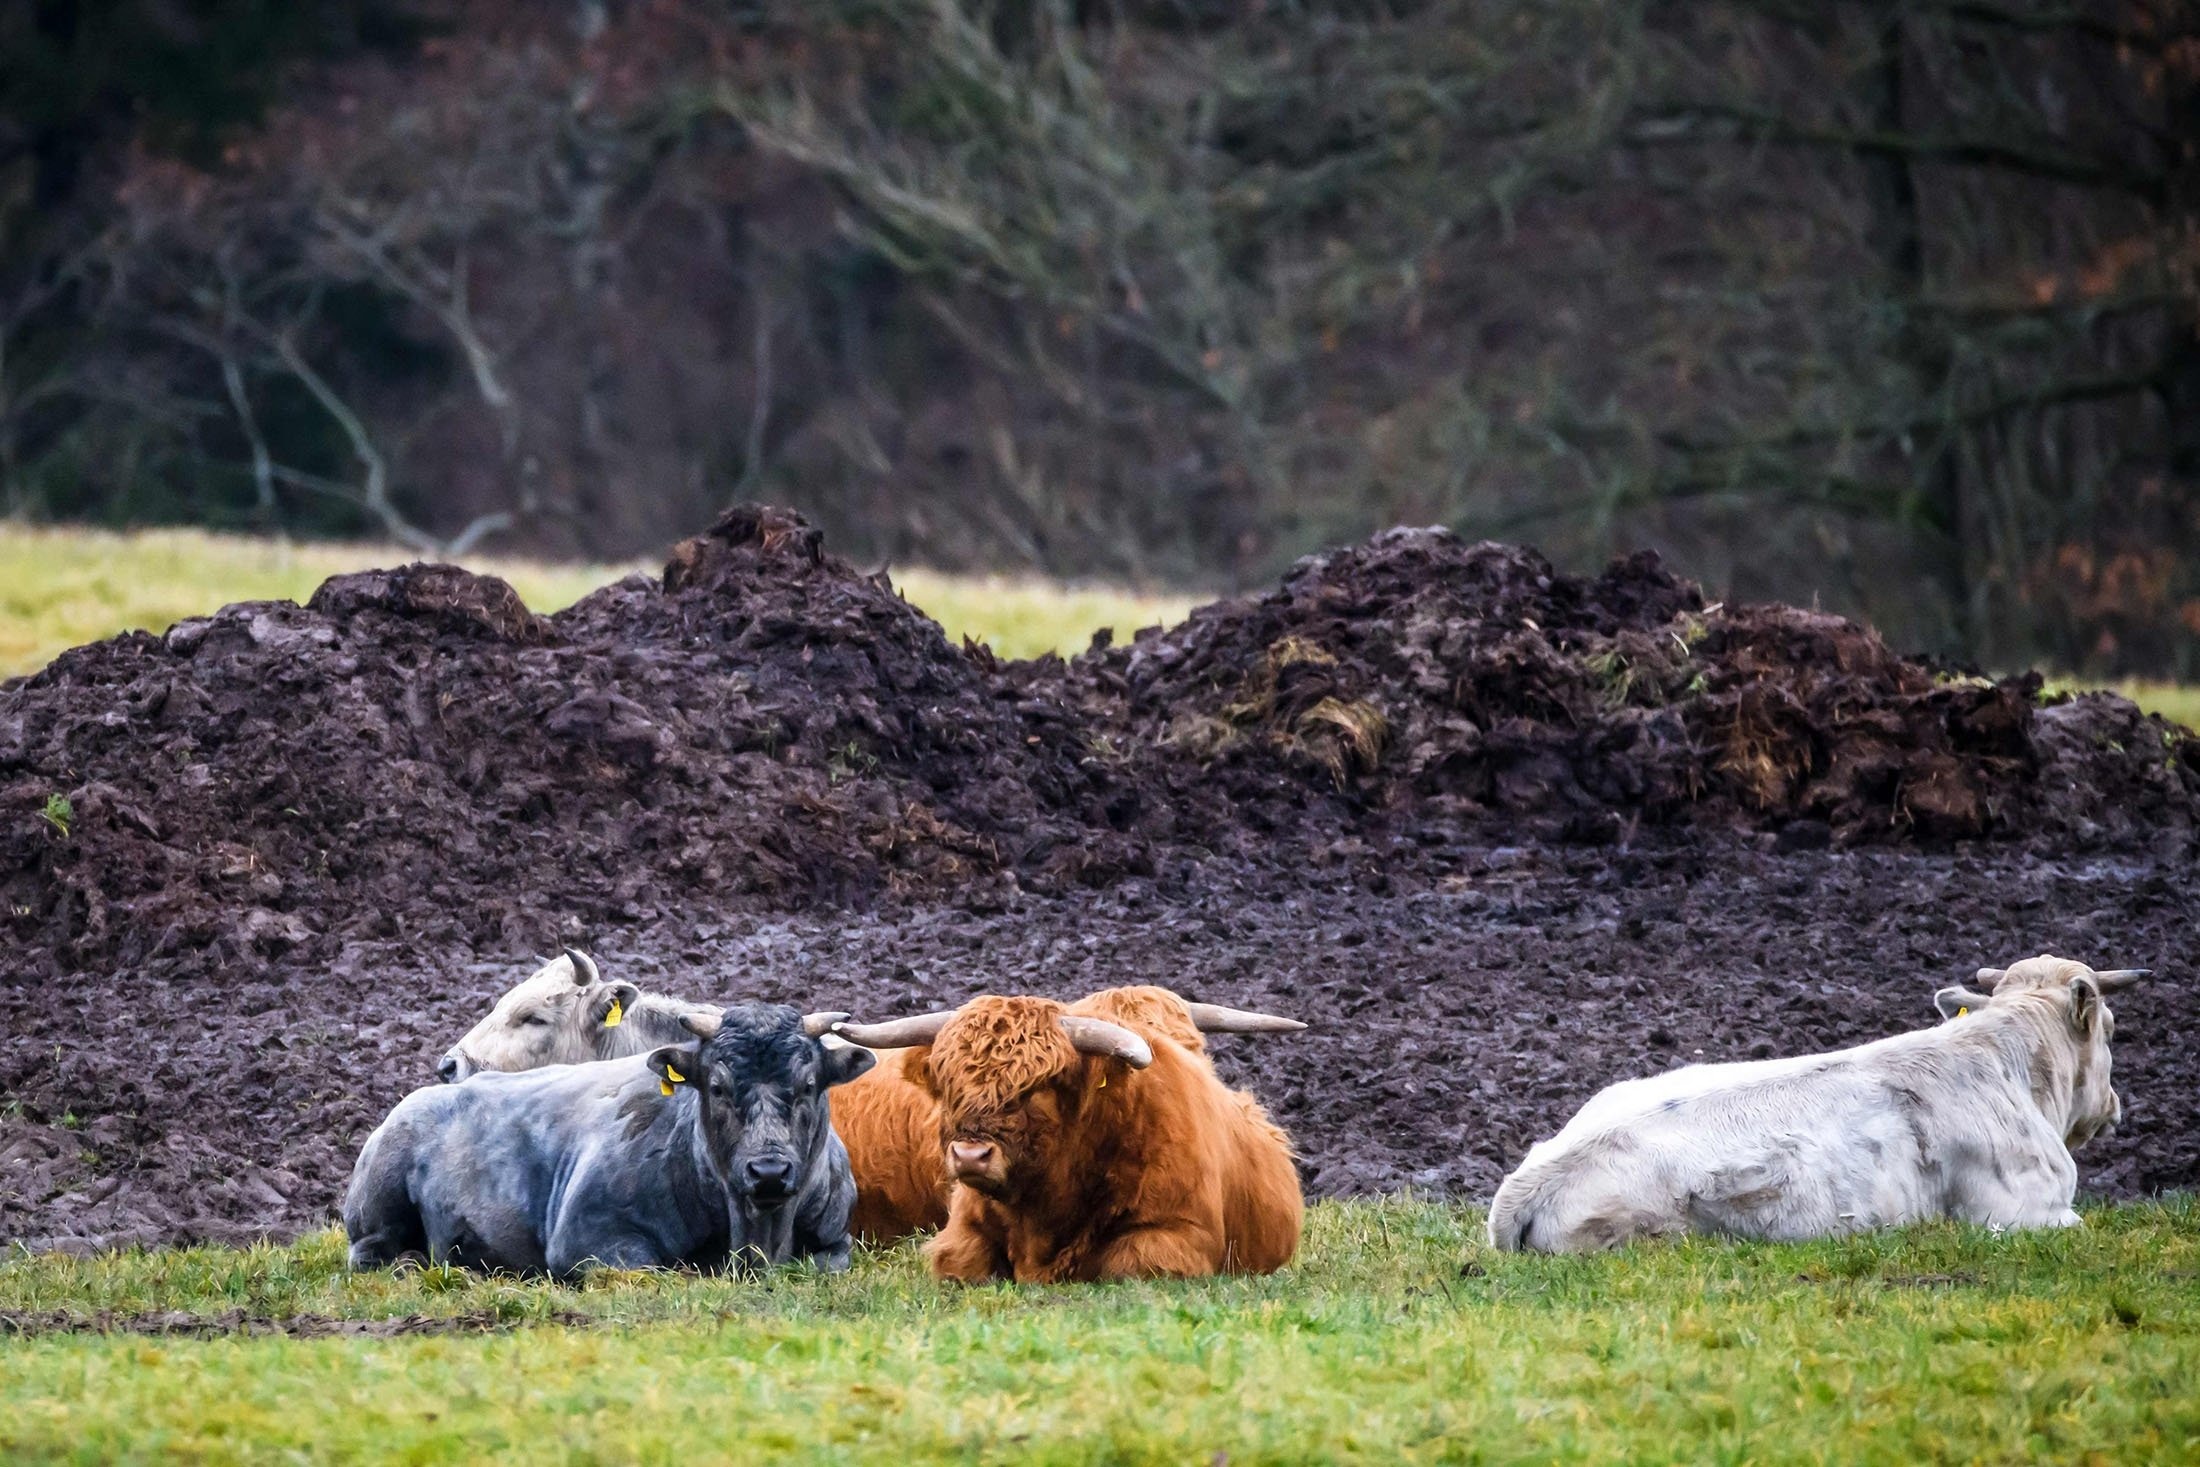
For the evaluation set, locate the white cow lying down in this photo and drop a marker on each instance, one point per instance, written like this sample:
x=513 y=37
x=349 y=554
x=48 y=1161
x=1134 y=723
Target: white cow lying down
x=1971 y=1120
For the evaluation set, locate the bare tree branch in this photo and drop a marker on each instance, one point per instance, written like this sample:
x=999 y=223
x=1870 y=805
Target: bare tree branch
x=1701 y=122
x=263 y=479
x=374 y=490
x=477 y=529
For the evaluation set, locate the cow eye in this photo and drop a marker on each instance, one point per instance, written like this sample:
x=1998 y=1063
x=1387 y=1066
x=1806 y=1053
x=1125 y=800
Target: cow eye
x=535 y=1019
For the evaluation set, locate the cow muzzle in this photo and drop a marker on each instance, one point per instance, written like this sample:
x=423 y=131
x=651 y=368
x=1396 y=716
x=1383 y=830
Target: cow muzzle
x=977 y=1164
x=455 y=1067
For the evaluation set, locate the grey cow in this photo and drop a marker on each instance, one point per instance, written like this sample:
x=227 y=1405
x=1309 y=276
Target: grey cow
x=565 y=1013
x=716 y=1152
x=1973 y=1119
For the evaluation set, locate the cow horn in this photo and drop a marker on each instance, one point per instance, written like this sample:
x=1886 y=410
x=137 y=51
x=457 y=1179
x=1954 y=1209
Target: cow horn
x=2116 y=978
x=820 y=1024
x=1989 y=976
x=704 y=1023
x=1098 y=1036
x=1213 y=1018
x=909 y=1033
x=584 y=966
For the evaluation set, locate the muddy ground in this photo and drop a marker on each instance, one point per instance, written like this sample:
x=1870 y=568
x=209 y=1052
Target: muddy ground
x=1502 y=835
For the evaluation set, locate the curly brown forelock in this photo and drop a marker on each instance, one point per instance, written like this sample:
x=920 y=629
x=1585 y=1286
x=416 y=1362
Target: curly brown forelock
x=997 y=1049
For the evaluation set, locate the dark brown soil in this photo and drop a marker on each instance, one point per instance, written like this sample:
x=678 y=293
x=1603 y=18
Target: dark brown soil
x=1504 y=835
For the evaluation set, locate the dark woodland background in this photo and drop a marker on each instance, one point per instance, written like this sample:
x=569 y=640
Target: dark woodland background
x=1894 y=306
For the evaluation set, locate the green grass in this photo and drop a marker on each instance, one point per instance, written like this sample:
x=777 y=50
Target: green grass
x=61 y=588
x=1025 y=616
x=1397 y=1337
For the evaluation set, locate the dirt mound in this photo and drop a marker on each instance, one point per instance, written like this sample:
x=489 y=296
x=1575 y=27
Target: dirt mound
x=446 y=596
x=257 y=872
x=414 y=753
x=1422 y=674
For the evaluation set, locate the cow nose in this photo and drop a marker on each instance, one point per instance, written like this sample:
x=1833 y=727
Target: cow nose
x=447 y=1072
x=971 y=1156
x=768 y=1176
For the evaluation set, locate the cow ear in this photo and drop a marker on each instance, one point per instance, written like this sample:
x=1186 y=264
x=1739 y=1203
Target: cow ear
x=675 y=1064
x=614 y=1004
x=916 y=1068
x=843 y=1062
x=2085 y=1005
x=1955 y=1002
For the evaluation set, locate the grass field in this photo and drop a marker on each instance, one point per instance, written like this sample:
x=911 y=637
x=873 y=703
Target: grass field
x=61 y=588
x=1397 y=1337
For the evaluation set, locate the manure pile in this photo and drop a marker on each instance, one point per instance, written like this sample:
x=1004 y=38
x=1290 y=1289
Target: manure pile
x=1505 y=834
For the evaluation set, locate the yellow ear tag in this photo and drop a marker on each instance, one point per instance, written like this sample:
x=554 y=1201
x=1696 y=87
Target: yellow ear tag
x=611 y=1019
x=1962 y=1011
x=672 y=1077
x=664 y=1087
x=1103 y=1083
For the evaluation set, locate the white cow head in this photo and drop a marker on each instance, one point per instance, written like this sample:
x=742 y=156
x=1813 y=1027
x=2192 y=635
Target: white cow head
x=2075 y=993
x=556 y=1017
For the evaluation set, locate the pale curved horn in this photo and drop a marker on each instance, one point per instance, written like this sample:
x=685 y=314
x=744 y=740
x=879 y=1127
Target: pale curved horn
x=704 y=1024
x=1213 y=1018
x=584 y=966
x=1098 y=1036
x=908 y=1033
x=820 y=1024
x=2116 y=978
x=1989 y=976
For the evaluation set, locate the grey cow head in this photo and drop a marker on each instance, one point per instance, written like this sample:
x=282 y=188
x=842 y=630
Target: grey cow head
x=758 y=1079
x=2083 y=1029
x=555 y=1017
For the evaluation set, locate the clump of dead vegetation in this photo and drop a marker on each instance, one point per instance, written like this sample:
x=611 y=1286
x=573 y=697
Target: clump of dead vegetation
x=1294 y=702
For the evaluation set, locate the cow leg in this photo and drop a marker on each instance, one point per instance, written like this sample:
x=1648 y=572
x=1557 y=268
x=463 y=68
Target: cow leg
x=2006 y=1207
x=1177 y=1252
x=834 y=1258
x=961 y=1253
x=385 y=1227
x=821 y=1235
x=2027 y=1186
x=568 y=1257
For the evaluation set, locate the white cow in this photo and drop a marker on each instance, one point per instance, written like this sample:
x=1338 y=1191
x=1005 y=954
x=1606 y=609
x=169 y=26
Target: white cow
x=566 y=1014
x=1973 y=1120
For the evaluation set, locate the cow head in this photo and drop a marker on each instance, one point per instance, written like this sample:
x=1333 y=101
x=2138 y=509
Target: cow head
x=758 y=1076
x=2082 y=1027
x=553 y=1018
x=1018 y=1080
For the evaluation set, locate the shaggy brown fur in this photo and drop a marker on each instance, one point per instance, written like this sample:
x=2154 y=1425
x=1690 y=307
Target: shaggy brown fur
x=1108 y=1172
x=891 y=1127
